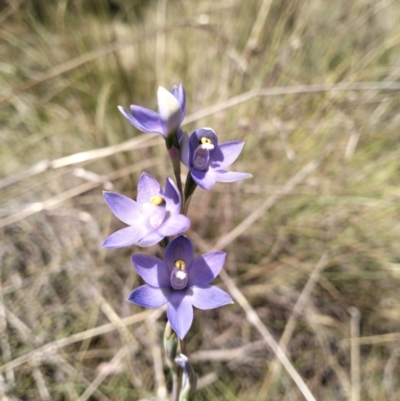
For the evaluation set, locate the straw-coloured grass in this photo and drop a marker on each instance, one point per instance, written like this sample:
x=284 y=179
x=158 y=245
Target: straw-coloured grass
x=312 y=240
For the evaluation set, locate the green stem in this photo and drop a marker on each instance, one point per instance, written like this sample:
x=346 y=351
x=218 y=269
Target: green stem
x=171 y=342
x=175 y=385
x=190 y=187
x=164 y=242
x=174 y=155
x=177 y=377
x=182 y=346
x=179 y=183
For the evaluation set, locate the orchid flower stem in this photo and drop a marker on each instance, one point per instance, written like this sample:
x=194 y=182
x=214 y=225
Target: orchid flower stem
x=190 y=187
x=164 y=242
x=171 y=342
x=173 y=151
x=175 y=385
x=186 y=205
x=177 y=376
x=179 y=182
x=182 y=346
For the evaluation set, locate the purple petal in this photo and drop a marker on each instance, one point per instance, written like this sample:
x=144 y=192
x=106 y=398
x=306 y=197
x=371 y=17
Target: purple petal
x=170 y=111
x=152 y=270
x=148 y=187
x=209 y=297
x=204 y=179
x=174 y=225
x=149 y=297
x=150 y=239
x=229 y=176
x=229 y=152
x=180 y=313
x=172 y=197
x=184 y=144
x=200 y=133
x=178 y=248
x=126 y=236
x=126 y=209
x=144 y=120
x=179 y=134
x=180 y=96
x=175 y=92
x=205 y=268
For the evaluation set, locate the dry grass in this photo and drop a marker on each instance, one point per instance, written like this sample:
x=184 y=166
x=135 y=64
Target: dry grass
x=311 y=86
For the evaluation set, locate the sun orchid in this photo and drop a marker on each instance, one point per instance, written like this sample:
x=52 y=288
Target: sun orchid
x=171 y=107
x=207 y=160
x=181 y=281
x=155 y=214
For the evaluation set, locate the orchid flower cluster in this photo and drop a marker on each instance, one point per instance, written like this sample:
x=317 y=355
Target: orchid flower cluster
x=180 y=280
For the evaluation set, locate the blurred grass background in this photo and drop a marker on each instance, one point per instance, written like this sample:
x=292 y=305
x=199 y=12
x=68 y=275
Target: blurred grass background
x=300 y=81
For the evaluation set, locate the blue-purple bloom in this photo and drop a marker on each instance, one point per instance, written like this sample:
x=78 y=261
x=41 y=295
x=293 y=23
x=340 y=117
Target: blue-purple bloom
x=207 y=160
x=155 y=214
x=181 y=281
x=171 y=107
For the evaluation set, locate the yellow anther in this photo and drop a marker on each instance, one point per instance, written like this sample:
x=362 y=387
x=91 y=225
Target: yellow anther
x=180 y=264
x=204 y=140
x=157 y=200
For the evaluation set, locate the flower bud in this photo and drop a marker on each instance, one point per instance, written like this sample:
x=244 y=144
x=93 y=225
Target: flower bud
x=170 y=111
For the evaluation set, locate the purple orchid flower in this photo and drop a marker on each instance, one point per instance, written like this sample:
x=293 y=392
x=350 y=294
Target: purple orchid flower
x=155 y=214
x=207 y=160
x=181 y=281
x=172 y=109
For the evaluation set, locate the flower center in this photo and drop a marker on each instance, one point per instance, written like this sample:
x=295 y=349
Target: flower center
x=157 y=200
x=179 y=277
x=155 y=219
x=180 y=264
x=206 y=143
x=201 y=158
